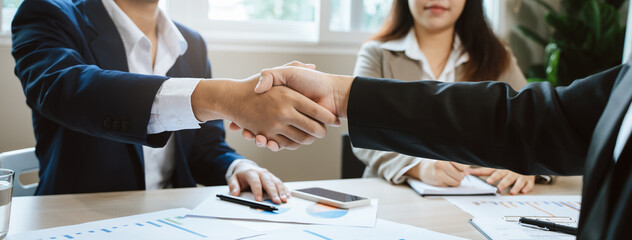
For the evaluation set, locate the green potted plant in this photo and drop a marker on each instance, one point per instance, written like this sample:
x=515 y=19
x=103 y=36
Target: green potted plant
x=587 y=38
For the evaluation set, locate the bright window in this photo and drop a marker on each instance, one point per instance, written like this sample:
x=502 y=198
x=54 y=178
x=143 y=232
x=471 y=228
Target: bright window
x=266 y=10
x=246 y=24
x=358 y=15
x=9 y=7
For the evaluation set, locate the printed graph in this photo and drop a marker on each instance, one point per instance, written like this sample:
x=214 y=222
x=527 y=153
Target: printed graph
x=323 y=211
x=510 y=207
x=283 y=208
x=544 y=208
x=173 y=223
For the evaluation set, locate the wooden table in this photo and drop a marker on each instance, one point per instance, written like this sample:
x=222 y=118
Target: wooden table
x=397 y=203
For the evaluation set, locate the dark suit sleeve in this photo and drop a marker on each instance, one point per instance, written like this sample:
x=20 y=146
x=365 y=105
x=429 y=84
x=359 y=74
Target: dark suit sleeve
x=539 y=130
x=211 y=156
x=49 y=48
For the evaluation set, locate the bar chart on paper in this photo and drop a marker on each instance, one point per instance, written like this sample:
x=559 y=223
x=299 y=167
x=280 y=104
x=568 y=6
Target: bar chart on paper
x=539 y=206
x=168 y=224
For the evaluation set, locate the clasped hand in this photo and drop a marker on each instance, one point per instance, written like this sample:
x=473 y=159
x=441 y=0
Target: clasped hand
x=327 y=90
x=282 y=117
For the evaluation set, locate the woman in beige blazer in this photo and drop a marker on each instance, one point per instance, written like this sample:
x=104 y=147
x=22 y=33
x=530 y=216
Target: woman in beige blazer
x=446 y=40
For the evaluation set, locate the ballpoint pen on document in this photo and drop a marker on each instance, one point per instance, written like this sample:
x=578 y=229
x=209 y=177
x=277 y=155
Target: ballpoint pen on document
x=247 y=202
x=548 y=226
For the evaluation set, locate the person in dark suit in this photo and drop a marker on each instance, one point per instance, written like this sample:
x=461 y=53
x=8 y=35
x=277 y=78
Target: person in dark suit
x=121 y=101
x=581 y=129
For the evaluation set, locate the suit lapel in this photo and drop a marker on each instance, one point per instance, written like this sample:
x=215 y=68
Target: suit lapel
x=603 y=137
x=106 y=43
x=403 y=68
x=599 y=159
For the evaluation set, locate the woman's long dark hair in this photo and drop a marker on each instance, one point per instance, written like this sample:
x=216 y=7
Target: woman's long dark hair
x=488 y=56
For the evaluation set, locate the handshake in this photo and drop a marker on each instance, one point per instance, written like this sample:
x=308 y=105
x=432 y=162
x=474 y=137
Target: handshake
x=281 y=108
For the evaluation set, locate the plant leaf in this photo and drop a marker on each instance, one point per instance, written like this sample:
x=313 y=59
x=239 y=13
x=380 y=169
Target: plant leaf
x=552 y=63
x=532 y=35
x=591 y=16
x=545 y=5
x=615 y=3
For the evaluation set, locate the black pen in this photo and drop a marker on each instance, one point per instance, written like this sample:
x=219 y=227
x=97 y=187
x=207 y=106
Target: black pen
x=247 y=202
x=548 y=226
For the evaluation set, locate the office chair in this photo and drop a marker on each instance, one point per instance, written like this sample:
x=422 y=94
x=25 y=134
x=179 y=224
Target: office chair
x=25 y=165
x=352 y=167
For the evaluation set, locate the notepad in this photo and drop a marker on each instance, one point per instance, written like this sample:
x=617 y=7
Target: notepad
x=470 y=185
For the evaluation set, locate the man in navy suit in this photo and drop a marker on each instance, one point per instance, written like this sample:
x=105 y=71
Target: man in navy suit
x=121 y=100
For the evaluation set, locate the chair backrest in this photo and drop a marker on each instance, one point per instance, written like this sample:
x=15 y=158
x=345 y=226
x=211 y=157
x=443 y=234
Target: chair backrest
x=352 y=167
x=25 y=165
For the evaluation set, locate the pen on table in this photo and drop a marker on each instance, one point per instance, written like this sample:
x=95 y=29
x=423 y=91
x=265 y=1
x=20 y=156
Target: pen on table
x=247 y=202
x=548 y=226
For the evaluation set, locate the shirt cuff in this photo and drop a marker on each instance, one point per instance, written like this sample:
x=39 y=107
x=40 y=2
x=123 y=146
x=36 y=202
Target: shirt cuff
x=231 y=168
x=400 y=176
x=171 y=110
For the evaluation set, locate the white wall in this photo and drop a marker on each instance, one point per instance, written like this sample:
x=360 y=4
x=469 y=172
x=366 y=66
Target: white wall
x=16 y=130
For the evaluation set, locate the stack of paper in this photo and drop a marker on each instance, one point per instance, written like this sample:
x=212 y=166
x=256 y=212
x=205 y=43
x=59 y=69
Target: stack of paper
x=180 y=224
x=525 y=206
x=470 y=185
x=167 y=224
x=382 y=230
x=497 y=217
x=296 y=210
x=494 y=228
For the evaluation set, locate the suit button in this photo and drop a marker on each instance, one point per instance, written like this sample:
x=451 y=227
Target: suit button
x=125 y=125
x=107 y=123
x=116 y=124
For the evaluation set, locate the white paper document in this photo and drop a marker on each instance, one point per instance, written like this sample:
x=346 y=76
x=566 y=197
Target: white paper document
x=470 y=185
x=296 y=210
x=383 y=230
x=167 y=224
x=520 y=206
x=497 y=229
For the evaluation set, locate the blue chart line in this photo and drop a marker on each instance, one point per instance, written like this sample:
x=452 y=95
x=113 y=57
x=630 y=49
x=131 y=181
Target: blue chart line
x=159 y=223
x=153 y=224
x=317 y=235
x=181 y=228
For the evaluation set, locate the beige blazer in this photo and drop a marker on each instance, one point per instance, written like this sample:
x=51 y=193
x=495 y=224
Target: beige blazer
x=375 y=61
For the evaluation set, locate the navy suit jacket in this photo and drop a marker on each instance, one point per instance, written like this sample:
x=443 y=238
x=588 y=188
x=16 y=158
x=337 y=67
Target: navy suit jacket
x=539 y=130
x=90 y=115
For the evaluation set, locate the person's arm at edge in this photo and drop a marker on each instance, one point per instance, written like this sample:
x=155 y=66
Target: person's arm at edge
x=549 y=127
x=393 y=167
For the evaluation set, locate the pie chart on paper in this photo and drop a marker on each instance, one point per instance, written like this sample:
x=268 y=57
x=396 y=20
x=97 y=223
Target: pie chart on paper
x=324 y=211
x=283 y=208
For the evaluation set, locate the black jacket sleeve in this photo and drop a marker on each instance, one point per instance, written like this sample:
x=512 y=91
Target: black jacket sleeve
x=538 y=130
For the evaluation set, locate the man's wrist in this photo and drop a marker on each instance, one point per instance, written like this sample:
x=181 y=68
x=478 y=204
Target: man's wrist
x=342 y=88
x=208 y=100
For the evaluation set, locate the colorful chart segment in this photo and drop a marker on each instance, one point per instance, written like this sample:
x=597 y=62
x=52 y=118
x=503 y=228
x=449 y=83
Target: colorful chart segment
x=283 y=208
x=323 y=211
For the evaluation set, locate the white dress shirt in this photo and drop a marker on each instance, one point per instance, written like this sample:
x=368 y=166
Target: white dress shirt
x=171 y=110
x=410 y=47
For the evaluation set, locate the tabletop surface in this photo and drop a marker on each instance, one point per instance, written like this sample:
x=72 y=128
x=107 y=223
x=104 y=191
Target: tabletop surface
x=398 y=203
